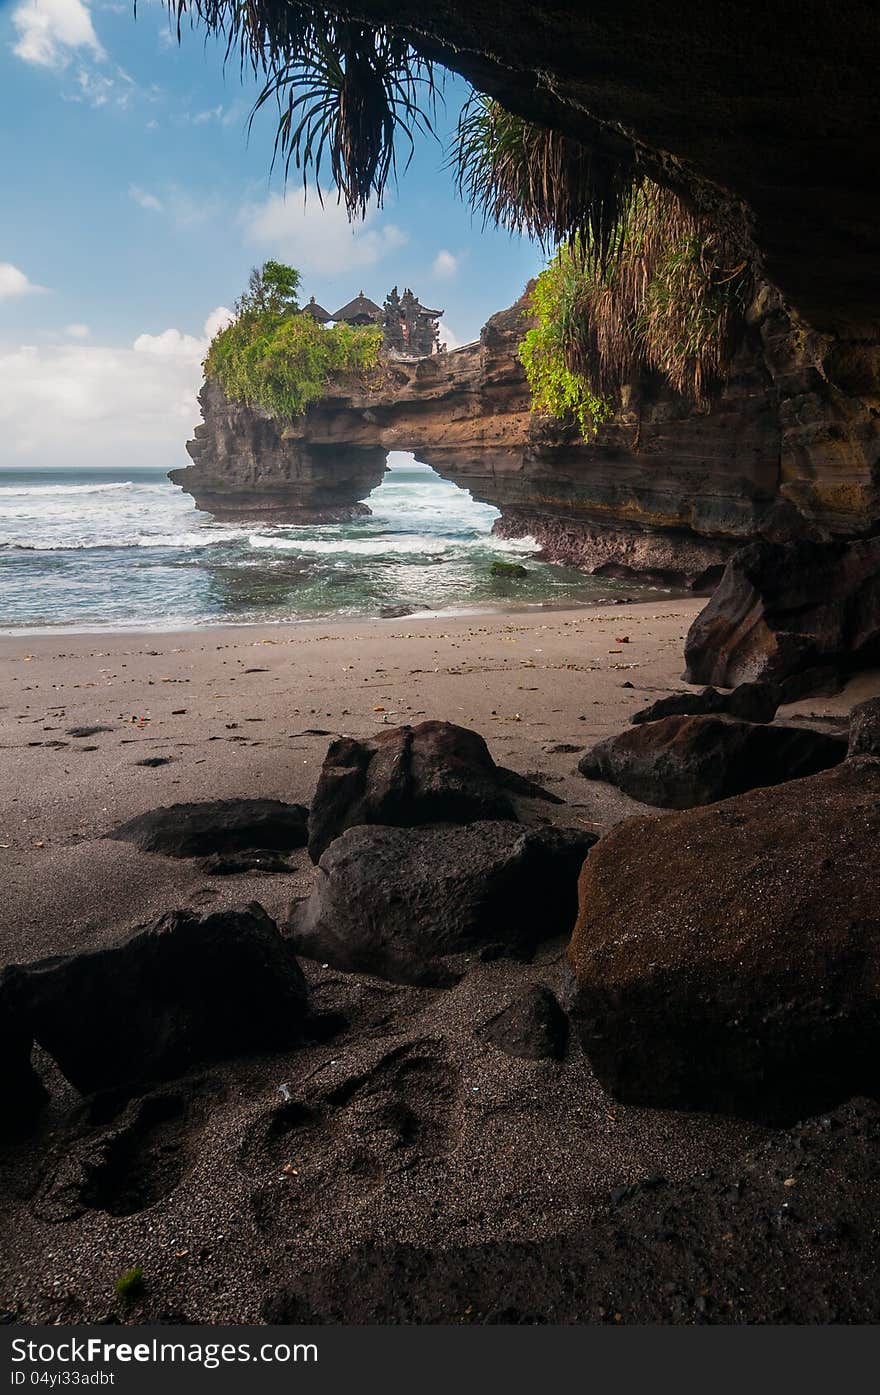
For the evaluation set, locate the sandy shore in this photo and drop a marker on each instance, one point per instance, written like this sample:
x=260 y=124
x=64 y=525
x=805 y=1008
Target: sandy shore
x=248 y=711
x=519 y=1149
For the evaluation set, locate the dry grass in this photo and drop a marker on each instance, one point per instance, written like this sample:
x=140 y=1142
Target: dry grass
x=669 y=299
x=536 y=181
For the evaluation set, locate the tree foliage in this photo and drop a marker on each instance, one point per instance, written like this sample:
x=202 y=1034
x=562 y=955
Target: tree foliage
x=273 y=357
x=273 y=288
x=348 y=94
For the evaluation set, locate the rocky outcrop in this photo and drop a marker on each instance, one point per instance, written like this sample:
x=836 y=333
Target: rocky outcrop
x=864 y=729
x=728 y=958
x=679 y=762
x=788 y=449
x=217 y=826
x=750 y=702
x=23 y=1093
x=770 y=126
x=248 y=466
x=396 y=901
x=433 y=772
x=187 y=989
x=785 y=610
x=532 y=1028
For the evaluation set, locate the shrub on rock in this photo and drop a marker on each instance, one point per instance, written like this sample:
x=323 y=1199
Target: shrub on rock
x=394 y=901
x=680 y=762
x=728 y=958
x=404 y=776
x=185 y=990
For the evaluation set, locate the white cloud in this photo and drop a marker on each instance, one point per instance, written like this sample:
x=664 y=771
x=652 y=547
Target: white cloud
x=448 y=338
x=77 y=331
x=202 y=118
x=13 y=282
x=319 y=241
x=80 y=404
x=190 y=347
x=144 y=198
x=51 y=31
x=445 y=265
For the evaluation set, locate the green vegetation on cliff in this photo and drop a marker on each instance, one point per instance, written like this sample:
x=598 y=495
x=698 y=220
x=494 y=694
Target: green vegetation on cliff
x=668 y=300
x=275 y=357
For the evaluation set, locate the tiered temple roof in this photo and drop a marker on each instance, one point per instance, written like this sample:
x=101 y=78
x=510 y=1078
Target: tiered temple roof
x=317 y=312
x=360 y=311
x=409 y=329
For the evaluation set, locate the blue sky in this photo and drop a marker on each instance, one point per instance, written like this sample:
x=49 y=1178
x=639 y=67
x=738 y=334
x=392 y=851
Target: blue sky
x=134 y=206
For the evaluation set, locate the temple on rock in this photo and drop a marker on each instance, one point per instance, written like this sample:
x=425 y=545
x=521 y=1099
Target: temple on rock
x=360 y=311
x=409 y=329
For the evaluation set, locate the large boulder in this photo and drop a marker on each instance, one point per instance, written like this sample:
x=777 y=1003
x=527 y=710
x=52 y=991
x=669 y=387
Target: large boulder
x=23 y=1091
x=185 y=990
x=394 y=901
x=679 y=762
x=729 y=958
x=781 y=609
x=864 y=729
x=217 y=826
x=750 y=702
x=431 y=773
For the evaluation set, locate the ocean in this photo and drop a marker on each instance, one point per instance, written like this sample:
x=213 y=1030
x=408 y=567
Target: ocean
x=103 y=549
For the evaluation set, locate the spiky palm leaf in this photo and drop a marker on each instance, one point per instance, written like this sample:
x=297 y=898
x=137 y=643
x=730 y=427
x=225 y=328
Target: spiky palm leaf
x=347 y=93
x=532 y=180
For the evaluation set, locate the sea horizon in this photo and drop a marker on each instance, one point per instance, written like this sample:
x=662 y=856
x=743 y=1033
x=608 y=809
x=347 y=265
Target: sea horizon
x=102 y=549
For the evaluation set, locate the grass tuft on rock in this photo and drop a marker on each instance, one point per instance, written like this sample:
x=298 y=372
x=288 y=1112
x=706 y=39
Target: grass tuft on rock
x=669 y=300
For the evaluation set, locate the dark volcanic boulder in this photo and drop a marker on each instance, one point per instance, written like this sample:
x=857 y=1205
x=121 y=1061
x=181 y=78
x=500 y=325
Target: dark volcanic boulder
x=532 y=1027
x=217 y=826
x=23 y=1091
x=729 y=958
x=431 y=773
x=783 y=608
x=185 y=990
x=393 y=901
x=682 y=761
x=864 y=729
x=750 y=702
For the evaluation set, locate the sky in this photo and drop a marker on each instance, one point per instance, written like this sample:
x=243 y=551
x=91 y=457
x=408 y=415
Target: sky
x=134 y=205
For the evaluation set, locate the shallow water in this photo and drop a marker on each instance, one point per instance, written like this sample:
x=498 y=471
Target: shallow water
x=85 y=549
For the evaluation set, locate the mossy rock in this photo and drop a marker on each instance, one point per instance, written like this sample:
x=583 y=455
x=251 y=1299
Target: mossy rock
x=508 y=569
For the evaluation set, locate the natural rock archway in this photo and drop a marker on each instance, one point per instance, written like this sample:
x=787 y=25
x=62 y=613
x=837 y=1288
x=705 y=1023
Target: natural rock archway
x=790 y=449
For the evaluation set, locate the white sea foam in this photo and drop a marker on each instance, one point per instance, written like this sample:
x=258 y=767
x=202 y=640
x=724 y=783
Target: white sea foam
x=135 y=552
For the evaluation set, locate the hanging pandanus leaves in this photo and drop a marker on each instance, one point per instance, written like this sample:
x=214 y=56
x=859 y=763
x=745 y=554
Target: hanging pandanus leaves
x=347 y=94
x=532 y=180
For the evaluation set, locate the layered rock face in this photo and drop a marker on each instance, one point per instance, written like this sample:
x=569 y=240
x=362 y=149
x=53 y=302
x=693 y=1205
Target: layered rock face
x=248 y=466
x=789 y=450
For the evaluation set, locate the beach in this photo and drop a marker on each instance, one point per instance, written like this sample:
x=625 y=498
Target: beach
x=216 y=1207
x=249 y=712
